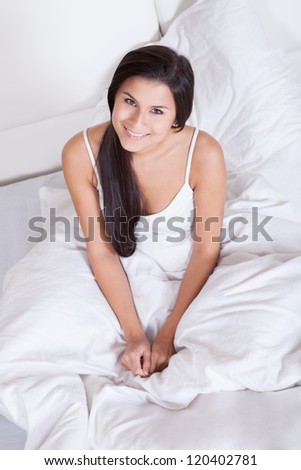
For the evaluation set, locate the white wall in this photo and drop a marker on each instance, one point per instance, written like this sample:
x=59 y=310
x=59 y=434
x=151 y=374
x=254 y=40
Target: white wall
x=56 y=58
x=58 y=55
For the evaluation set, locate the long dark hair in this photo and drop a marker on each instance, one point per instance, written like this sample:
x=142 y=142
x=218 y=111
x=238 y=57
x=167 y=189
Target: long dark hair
x=122 y=198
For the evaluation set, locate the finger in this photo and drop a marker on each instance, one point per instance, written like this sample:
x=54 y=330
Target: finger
x=161 y=362
x=153 y=363
x=136 y=366
x=129 y=362
x=146 y=362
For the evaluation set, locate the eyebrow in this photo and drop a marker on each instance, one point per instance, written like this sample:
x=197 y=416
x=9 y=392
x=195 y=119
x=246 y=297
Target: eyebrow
x=134 y=99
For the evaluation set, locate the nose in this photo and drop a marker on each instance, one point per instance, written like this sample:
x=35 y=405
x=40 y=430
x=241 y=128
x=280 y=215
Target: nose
x=139 y=120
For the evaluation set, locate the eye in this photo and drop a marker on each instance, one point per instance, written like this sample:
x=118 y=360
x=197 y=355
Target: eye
x=130 y=101
x=157 y=111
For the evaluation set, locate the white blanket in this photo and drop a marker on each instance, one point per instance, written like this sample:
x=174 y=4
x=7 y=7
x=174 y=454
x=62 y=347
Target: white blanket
x=60 y=340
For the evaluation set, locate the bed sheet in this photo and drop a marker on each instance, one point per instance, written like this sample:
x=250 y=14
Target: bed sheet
x=242 y=332
x=234 y=420
x=224 y=420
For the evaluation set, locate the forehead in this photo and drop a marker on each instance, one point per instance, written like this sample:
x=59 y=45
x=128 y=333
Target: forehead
x=152 y=92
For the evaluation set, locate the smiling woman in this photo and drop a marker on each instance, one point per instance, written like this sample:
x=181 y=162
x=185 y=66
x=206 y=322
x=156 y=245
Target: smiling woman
x=155 y=75
x=148 y=165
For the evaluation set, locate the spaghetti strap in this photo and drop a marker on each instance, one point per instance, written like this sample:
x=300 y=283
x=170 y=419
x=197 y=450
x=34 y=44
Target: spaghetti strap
x=190 y=154
x=90 y=153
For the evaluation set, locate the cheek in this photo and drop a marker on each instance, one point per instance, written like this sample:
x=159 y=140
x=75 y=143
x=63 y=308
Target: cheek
x=162 y=126
x=120 y=112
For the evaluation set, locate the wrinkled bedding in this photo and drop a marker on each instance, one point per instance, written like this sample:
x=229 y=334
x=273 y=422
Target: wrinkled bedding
x=60 y=340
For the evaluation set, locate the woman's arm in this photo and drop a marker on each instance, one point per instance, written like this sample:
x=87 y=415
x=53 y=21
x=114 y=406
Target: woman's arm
x=209 y=198
x=105 y=262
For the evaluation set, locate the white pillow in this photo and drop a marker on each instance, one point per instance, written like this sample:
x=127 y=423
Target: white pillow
x=246 y=94
x=168 y=11
x=60 y=219
x=19 y=207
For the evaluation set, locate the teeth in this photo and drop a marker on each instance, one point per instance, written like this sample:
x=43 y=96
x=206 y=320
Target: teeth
x=133 y=134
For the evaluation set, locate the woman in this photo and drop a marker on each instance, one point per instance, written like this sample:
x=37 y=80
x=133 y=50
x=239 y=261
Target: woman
x=151 y=167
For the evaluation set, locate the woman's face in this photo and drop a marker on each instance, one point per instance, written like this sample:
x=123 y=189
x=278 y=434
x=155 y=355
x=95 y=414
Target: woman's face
x=143 y=114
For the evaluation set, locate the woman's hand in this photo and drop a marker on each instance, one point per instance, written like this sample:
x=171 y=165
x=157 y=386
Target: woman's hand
x=162 y=350
x=136 y=356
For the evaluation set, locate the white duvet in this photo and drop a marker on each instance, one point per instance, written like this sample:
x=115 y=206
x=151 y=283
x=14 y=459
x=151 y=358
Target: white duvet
x=61 y=379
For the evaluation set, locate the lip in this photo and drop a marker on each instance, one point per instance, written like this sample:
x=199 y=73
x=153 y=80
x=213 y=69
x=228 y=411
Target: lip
x=133 y=135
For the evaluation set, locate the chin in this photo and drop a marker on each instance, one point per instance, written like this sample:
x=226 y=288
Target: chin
x=131 y=146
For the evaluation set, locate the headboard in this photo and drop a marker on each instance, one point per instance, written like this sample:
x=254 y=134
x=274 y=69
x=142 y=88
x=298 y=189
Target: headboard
x=57 y=57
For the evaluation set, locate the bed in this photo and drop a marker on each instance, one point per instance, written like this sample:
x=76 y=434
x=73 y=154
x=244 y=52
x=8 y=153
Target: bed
x=242 y=383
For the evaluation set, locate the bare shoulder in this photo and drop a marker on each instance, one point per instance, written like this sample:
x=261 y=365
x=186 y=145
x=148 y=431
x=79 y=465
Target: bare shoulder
x=76 y=163
x=76 y=144
x=207 y=150
x=208 y=159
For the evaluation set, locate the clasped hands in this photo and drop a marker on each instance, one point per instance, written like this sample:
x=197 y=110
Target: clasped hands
x=143 y=358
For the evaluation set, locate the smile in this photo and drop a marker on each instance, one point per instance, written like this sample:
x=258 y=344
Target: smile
x=133 y=135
